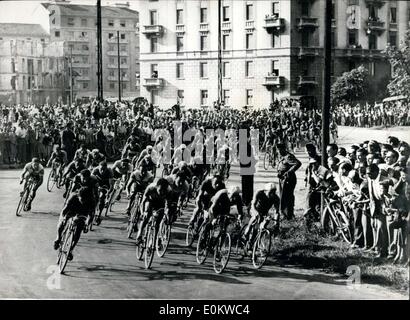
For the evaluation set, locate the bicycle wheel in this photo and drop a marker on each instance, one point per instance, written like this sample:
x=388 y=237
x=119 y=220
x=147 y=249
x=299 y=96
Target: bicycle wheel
x=164 y=172
x=21 y=203
x=327 y=222
x=261 y=249
x=60 y=181
x=113 y=199
x=140 y=249
x=344 y=226
x=189 y=236
x=184 y=203
x=108 y=205
x=132 y=223
x=202 y=245
x=266 y=160
x=65 y=250
x=222 y=252
x=163 y=238
x=51 y=181
x=150 y=246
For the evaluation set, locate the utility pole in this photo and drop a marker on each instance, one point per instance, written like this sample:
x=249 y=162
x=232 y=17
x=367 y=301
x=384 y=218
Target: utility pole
x=119 y=69
x=100 y=93
x=326 y=80
x=71 y=77
x=219 y=54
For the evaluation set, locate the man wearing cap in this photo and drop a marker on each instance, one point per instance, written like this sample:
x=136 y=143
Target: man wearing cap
x=288 y=164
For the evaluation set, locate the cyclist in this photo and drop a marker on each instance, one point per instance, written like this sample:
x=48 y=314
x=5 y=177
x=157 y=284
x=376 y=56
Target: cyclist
x=223 y=160
x=71 y=171
x=104 y=177
x=121 y=170
x=58 y=159
x=131 y=149
x=148 y=151
x=222 y=202
x=78 y=204
x=82 y=153
x=86 y=180
x=35 y=171
x=208 y=189
x=175 y=196
x=154 y=199
x=263 y=200
x=95 y=157
x=141 y=178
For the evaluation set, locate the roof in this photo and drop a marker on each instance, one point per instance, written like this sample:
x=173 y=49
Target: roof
x=22 y=30
x=90 y=10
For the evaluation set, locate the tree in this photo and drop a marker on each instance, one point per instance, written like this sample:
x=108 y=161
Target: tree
x=399 y=59
x=351 y=86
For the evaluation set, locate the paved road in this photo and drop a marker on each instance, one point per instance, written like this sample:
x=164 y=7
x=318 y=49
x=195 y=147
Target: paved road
x=105 y=266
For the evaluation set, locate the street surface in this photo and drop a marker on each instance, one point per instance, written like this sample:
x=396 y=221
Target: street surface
x=105 y=266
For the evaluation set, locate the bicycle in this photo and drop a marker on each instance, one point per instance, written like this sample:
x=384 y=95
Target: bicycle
x=334 y=220
x=215 y=238
x=71 y=232
x=135 y=216
x=115 y=192
x=164 y=235
x=270 y=157
x=24 y=196
x=147 y=246
x=70 y=190
x=192 y=232
x=258 y=243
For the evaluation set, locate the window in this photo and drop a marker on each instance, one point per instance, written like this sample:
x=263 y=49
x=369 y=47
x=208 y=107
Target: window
x=85 y=47
x=154 y=70
x=352 y=37
x=372 y=13
x=249 y=12
x=53 y=21
x=225 y=13
x=83 y=22
x=153 y=17
x=180 y=71
x=111 y=47
x=154 y=97
x=305 y=8
x=122 y=36
x=393 y=38
x=111 y=60
x=180 y=44
x=111 y=73
x=372 y=68
x=226 y=70
x=225 y=42
x=70 y=22
x=85 y=59
x=203 y=69
x=204 y=43
x=248 y=69
x=123 y=48
x=85 y=72
x=112 y=85
x=372 y=41
x=275 y=8
x=353 y=2
x=204 y=97
x=110 y=35
x=249 y=41
x=123 y=60
x=123 y=74
x=124 y=86
x=204 y=15
x=85 y=85
x=57 y=34
x=305 y=39
x=249 y=97
x=180 y=15
x=154 y=44
x=122 y=23
x=226 y=97
x=180 y=97
x=84 y=34
x=13 y=66
x=393 y=15
x=111 y=23
x=333 y=10
x=274 y=71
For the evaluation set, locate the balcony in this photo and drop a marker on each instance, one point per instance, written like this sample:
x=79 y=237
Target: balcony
x=274 y=23
x=112 y=66
x=305 y=52
x=79 y=39
x=306 y=23
x=393 y=26
x=203 y=28
x=375 y=3
x=273 y=81
x=112 y=78
x=115 y=53
x=226 y=27
x=114 y=40
x=376 y=54
x=249 y=26
x=153 y=31
x=153 y=83
x=353 y=52
x=307 y=81
x=82 y=78
x=180 y=29
x=374 y=26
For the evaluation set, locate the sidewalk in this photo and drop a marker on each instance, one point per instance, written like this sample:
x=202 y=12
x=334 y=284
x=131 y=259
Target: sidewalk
x=10 y=166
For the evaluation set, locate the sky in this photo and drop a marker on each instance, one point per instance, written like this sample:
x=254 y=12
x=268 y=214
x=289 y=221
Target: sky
x=22 y=11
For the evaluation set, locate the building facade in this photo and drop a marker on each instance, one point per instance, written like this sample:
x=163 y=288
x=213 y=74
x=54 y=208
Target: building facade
x=76 y=26
x=270 y=48
x=31 y=68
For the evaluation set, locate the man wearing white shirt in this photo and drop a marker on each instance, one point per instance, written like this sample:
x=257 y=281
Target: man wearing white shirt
x=21 y=134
